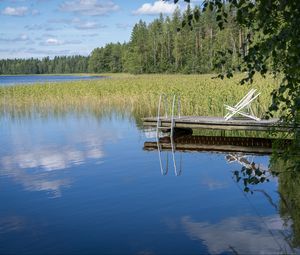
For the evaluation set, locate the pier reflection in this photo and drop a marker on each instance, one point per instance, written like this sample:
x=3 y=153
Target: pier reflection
x=236 y=149
x=252 y=174
x=247 y=145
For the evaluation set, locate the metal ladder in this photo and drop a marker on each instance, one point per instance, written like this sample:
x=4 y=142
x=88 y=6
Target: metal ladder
x=159 y=121
x=159 y=126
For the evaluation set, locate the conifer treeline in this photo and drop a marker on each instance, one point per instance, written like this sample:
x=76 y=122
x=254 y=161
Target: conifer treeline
x=157 y=47
x=64 y=64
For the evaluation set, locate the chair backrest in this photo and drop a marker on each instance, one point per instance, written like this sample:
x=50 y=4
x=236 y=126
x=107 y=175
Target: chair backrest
x=245 y=100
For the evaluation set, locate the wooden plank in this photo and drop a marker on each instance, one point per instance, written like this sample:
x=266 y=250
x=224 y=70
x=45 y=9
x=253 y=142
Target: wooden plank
x=219 y=127
x=219 y=123
x=215 y=120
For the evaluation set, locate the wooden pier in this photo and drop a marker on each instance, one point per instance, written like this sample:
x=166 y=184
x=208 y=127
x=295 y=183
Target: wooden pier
x=217 y=123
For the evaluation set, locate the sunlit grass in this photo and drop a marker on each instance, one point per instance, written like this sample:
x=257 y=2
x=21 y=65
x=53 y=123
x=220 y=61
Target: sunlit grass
x=200 y=94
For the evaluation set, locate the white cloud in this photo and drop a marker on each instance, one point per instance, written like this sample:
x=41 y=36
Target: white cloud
x=15 y=11
x=89 y=7
x=53 y=42
x=157 y=8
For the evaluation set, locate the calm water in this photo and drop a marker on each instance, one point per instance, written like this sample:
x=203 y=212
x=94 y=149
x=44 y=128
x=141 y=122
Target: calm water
x=7 y=80
x=81 y=184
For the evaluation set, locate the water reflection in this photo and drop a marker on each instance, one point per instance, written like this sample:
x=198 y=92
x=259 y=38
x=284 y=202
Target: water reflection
x=113 y=198
x=240 y=235
x=278 y=233
x=37 y=181
x=236 y=149
x=289 y=192
x=11 y=223
x=50 y=159
x=39 y=155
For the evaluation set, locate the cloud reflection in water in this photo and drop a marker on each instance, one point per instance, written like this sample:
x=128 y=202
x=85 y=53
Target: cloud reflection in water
x=48 y=159
x=39 y=166
x=244 y=235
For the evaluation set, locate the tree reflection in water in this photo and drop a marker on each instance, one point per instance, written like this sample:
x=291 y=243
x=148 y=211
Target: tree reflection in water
x=251 y=173
x=285 y=166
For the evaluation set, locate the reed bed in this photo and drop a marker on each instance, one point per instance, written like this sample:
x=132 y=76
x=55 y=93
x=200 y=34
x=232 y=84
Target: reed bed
x=137 y=95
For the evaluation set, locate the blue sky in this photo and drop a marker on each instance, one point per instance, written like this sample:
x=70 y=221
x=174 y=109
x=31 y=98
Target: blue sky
x=38 y=28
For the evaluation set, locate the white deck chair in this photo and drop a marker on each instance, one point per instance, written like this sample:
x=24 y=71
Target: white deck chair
x=244 y=103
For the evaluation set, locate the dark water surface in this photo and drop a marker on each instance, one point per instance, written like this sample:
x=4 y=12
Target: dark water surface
x=8 y=80
x=81 y=184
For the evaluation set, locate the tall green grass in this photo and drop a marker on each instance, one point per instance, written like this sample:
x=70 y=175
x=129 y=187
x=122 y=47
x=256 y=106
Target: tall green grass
x=200 y=94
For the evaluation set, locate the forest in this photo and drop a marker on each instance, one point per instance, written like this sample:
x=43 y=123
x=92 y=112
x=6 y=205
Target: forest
x=63 y=64
x=162 y=46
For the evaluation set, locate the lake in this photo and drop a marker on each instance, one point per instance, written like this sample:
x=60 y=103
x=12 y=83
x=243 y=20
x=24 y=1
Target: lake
x=8 y=80
x=83 y=183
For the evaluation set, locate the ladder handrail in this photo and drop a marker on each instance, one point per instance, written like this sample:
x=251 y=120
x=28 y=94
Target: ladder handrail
x=165 y=171
x=174 y=160
x=158 y=110
x=165 y=99
x=179 y=106
x=172 y=117
x=162 y=170
x=178 y=112
x=158 y=117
